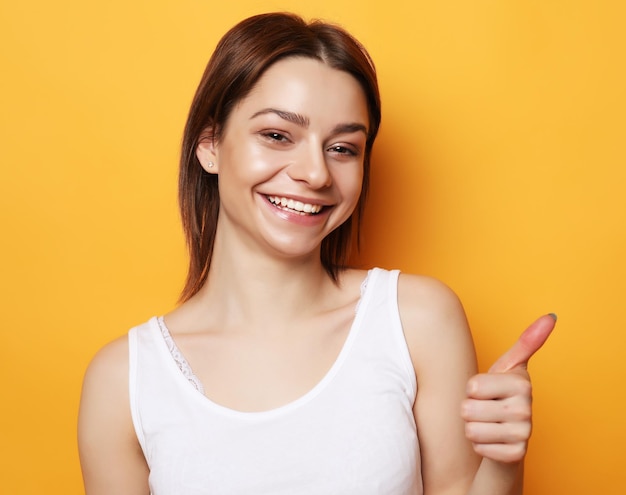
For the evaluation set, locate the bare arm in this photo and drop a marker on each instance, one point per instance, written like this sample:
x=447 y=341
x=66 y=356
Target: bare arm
x=110 y=455
x=443 y=356
x=473 y=429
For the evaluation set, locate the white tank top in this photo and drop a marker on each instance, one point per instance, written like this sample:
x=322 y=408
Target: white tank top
x=352 y=434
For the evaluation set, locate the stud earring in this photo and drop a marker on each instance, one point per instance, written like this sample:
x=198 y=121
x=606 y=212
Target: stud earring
x=210 y=164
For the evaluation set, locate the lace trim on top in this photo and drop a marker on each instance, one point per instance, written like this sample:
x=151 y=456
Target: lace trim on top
x=181 y=362
x=362 y=291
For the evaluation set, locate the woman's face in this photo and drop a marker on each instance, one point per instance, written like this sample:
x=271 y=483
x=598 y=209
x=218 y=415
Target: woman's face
x=290 y=158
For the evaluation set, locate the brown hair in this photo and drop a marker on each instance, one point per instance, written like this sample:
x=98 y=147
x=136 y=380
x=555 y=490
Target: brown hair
x=241 y=57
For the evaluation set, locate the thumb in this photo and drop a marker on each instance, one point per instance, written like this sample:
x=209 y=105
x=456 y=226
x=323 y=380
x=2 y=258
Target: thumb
x=529 y=342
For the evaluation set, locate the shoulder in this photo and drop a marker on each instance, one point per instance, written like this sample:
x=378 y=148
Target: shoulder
x=105 y=391
x=105 y=385
x=108 y=371
x=427 y=300
x=110 y=362
x=434 y=321
x=110 y=455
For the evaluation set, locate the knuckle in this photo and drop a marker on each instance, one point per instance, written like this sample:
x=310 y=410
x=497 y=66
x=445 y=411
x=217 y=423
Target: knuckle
x=525 y=415
x=526 y=431
x=465 y=409
x=525 y=388
x=479 y=449
x=518 y=451
x=470 y=431
x=472 y=387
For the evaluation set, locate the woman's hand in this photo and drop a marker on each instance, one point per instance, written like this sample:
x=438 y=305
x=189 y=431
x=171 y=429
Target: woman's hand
x=497 y=411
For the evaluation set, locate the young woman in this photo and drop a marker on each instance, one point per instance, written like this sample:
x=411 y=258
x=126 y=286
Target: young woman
x=283 y=371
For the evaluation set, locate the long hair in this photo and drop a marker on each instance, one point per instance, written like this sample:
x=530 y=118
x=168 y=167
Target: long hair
x=241 y=57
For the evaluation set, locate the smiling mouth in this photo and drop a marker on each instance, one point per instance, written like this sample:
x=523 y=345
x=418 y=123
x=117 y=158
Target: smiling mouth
x=295 y=206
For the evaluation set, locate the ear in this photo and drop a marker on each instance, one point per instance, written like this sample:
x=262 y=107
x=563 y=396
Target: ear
x=206 y=151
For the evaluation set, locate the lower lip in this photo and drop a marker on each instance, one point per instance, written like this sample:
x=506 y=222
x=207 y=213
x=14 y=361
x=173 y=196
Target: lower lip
x=293 y=217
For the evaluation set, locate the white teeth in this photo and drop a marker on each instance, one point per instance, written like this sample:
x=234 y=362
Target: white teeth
x=295 y=205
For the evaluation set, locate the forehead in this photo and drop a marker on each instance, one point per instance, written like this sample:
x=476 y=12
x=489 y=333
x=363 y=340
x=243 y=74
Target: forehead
x=310 y=87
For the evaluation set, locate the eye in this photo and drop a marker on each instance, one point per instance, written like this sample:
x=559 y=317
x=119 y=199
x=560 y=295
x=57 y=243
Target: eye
x=274 y=136
x=343 y=150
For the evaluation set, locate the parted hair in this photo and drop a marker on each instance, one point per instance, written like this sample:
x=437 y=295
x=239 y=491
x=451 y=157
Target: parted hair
x=240 y=58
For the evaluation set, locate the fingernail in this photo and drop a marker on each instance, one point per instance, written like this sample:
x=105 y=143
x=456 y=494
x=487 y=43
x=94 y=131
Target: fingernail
x=553 y=315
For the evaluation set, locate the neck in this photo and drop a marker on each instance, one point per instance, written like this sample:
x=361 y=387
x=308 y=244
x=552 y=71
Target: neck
x=254 y=289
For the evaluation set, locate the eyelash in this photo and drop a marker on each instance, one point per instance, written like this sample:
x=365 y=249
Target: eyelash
x=278 y=137
x=275 y=136
x=343 y=150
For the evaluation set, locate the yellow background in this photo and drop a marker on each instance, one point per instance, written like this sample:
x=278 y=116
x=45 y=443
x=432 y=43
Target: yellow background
x=500 y=169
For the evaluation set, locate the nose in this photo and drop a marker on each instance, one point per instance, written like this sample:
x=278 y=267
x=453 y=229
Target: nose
x=310 y=167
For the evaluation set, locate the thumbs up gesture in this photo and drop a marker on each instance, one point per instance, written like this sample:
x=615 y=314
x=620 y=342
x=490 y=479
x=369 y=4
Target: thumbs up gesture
x=497 y=411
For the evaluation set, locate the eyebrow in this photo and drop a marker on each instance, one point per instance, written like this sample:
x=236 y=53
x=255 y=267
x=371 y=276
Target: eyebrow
x=349 y=128
x=303 y=121
x=294 y=118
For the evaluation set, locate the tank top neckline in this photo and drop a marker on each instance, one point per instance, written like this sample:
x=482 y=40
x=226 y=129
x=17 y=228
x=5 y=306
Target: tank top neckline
x=205 y=401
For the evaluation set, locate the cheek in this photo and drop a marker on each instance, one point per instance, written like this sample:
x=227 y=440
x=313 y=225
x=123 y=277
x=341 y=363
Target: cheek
x=252 y=162
x=351 y=183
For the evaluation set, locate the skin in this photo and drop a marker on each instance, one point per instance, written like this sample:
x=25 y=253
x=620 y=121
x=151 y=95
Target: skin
x=300 y=134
